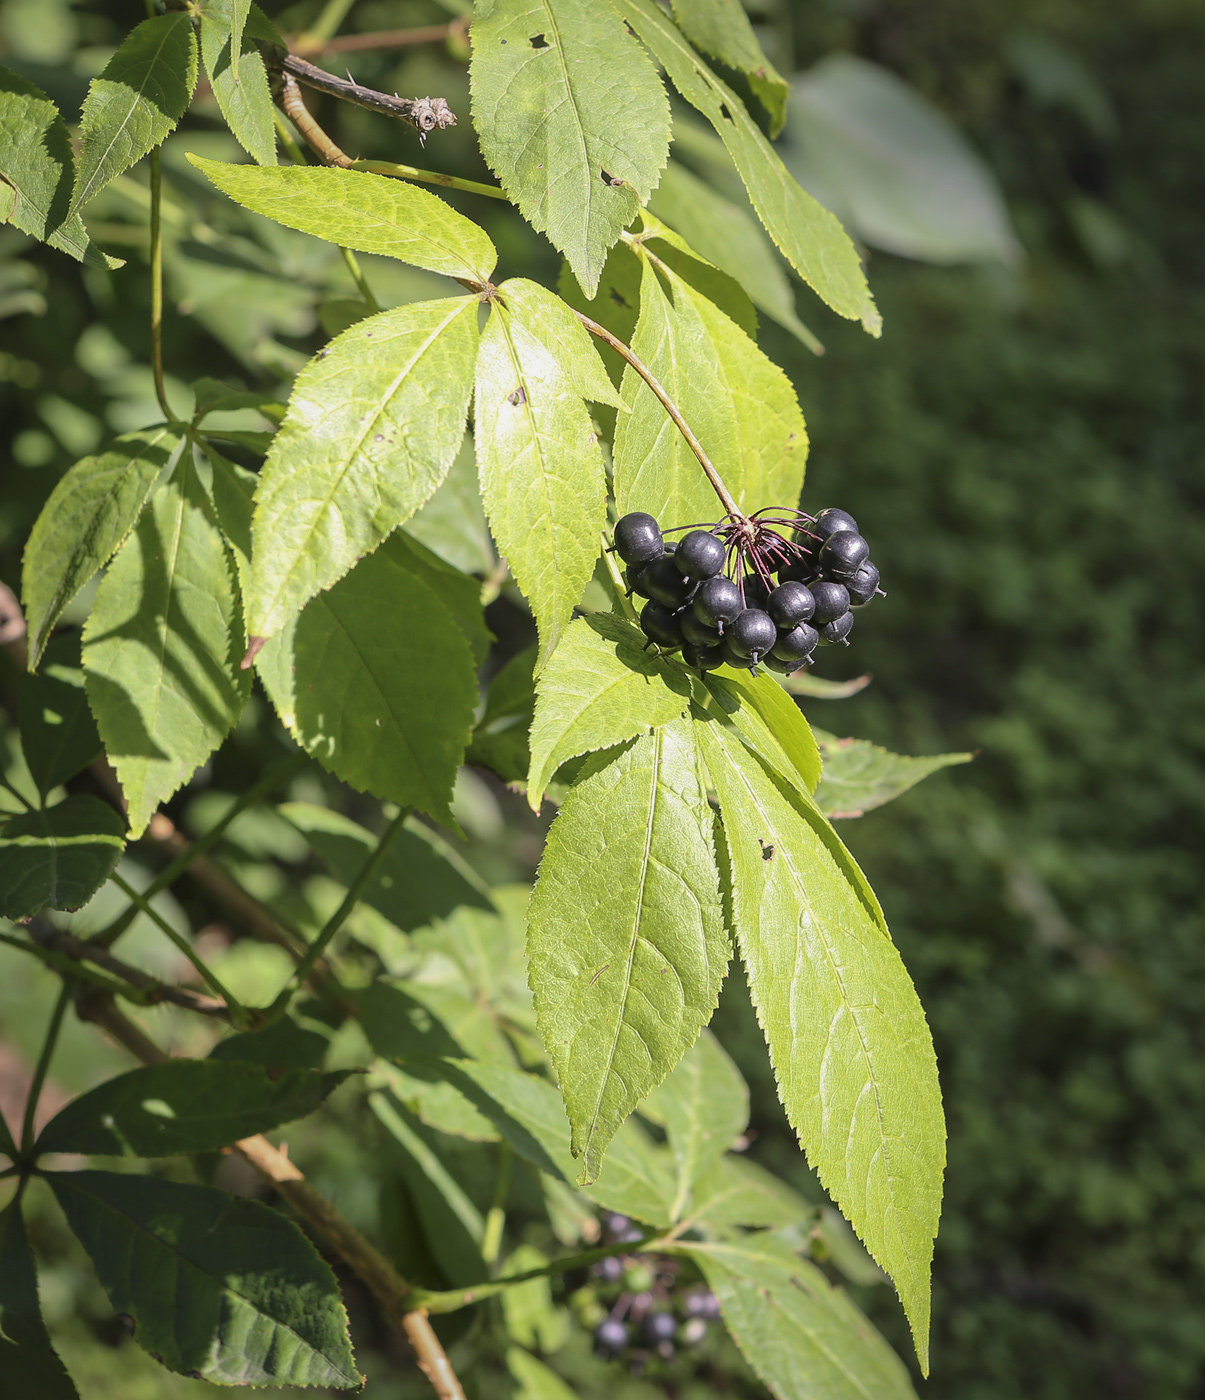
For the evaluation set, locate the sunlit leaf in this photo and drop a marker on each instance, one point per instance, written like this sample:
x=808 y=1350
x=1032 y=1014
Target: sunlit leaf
x=238 y=77
x=859 y=776
x=721 y=29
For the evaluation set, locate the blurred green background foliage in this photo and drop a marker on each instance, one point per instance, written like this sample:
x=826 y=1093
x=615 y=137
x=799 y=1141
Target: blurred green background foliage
x=1024 y=448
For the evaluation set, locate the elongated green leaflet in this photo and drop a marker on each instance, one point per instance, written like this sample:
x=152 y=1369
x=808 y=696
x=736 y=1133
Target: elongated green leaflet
x=58 y=733
x=859 y=776
x=29 y=1366
x=58 y=857
x=238 y=77
x=721 y=29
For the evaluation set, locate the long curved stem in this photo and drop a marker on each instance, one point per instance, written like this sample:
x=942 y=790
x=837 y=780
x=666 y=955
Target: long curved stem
x=157 y=284
x=43 y=1067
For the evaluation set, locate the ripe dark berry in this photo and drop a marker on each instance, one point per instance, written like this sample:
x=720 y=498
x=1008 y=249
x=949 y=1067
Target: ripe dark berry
x=801 y=571
x=634 y=578
x=659 y=625
x=752 y=634
x=790 y=603
x=837 y=630
x=610 y=1269
x=701 y=1302
x=700 y=555
x=696 y=632
x=800 y=641
x=863 y=585
x=842 y=554
x=756 y=592
x=718 y=602
x=703 y=658
x=832 y=520
x=638 y=538
x=733 y=658
x=658 y=1327
x=663 y=582
x=832 y=599
x=610 y=1337
x=786 y=668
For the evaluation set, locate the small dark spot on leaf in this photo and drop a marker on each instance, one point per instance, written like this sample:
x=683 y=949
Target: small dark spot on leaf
x=767 y=852
x=127 y=1322
x=759 y=72
x=518 y=397
x=538 y=41
x=619 y=300
x=725 y=113
x=156 y=1357
x=194 y=1375
x=380 y=437
x=599 y=973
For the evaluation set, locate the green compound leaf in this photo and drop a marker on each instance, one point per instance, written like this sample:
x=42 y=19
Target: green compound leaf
x=59 y=857
x=809 y=237
x=571 y=117
x=542 y=476
x=721 y=29
x=460 y=593
x=238 y=77
x=36 y=168
x=626 y=940
x=89 y=513
x=802 y=1336
x=135 y=102
x=373 y=424
x=58 y=733
x=218 y=1288
x=771 y=723
x=184 y=1106
x=733 y=1191
x=368 y=213
x=29 y=1366
x=599 y=689
x=740 y=405
x=161 y=647
x=352 y=679
x=848 y=1039
x=859 y=776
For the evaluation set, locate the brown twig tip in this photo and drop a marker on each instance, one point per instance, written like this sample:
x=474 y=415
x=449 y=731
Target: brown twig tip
x=254 y=646
x=426 y=114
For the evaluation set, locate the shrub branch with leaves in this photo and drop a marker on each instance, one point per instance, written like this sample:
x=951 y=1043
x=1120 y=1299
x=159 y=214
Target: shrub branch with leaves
x=693 y=820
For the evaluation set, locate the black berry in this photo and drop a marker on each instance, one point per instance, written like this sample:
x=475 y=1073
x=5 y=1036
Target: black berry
x=832 y=520
x=843 y=553
x=703 y=658
x=752 y=634
x=801 y=571
x=800 y=641
x=837 y=630
x=610 y=1269
x=756 y=591
x=832 y=599
x=610 y=1337
x=638 y=538
x=717 y=602
x=634 y=578
x=701 y=1302
x=734 y=658
x=663 y=582
x=700 y=555
x=790 y=603
x=863 y=585
x=659 y=625
x=785 y=668
x=696 y=632
x=658 y=1327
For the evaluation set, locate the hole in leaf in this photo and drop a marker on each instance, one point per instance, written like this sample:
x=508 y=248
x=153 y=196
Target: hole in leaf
x=537 y=41
x=608 y=179
x=518 y=397
x=725 y=113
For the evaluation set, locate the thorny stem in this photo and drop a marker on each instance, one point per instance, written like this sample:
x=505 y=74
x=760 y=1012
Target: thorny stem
x=157 y=284
x=429 y=177
x=427 y=114
x=43 y=1065
x=357 y=276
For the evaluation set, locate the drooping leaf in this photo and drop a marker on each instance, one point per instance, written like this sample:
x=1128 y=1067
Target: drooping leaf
x=89 y=513
x=728 y=235
x=804 y=683
x=218 y=1287
x=721 y=29
x=373 y=424
x=599 y=689
x=59 y=857
x=734 y=1191
x=30 y=1368
x=368 y=213
x=282 y=1045
x=238 y=77
x=135 y=102
x=859 y=776
x=161 y=647
x=58 y=733
x=809 y=237
x=500 y=740
x=781 y=722
x=542 y=476
x=184 y=1106
x=536 y=1381
x=36 y=168
x=848 y=1039
x=352 y=679
x=625 y=934
x=741 y=407
x=571 y=117
x=802 y=1336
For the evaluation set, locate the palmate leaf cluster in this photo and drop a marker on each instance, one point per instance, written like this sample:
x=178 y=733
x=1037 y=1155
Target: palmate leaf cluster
x=692 y=828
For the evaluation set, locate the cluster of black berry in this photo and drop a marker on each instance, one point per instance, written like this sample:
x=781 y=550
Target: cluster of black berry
x=743 y=594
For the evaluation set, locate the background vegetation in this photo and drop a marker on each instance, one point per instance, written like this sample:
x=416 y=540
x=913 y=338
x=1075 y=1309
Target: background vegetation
x=1023 y=447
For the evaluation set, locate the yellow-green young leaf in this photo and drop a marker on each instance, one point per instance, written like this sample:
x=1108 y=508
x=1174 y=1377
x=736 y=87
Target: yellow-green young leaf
x=543 y=482
x=810 y=238
x=599 y=689
x=848 y=1039
x=89 y=513
x=219 y=1288
x=781 y=717
x=29 y=1365
x=803 y=1337
x=162 y=647
x=58 y=857
x=859 y=776
x=135 y=102
x=625 y=938
x=353 y=680
x=721 y=29
x=741 y=407
x=734 y=1191
x=36 y=168
x=361 y=211
x=373 y=424
x=572 y=118
x=238 y=77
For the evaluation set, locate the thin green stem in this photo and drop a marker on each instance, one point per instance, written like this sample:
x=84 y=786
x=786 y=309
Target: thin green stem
x=617 y=582
x=357 y=276
x=339 y=917
x=43 y=1066
x=287 y=139
x=238 y=1013
x=157 y=284
x=4 y=783
x=429 y=177
x=495 y=1221
x=69 y=967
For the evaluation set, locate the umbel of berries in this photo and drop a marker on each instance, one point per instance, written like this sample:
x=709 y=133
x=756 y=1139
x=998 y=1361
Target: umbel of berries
x=766 y=589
